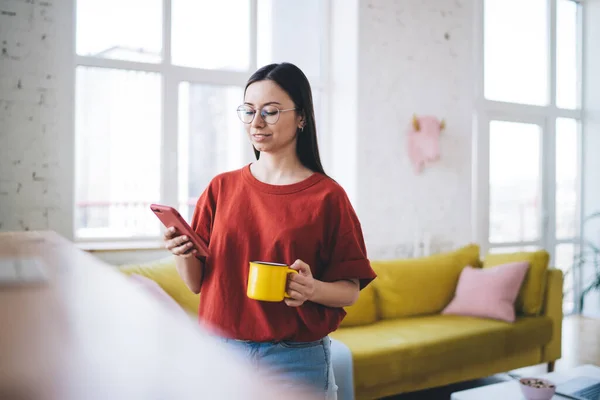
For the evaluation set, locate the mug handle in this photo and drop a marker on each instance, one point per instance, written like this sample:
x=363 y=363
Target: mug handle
x=290 y=271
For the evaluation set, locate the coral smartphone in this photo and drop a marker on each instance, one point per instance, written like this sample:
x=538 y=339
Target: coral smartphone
x=170 y=217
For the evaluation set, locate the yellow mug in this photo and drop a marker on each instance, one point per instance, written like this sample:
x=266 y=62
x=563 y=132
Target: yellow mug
x=267 y=281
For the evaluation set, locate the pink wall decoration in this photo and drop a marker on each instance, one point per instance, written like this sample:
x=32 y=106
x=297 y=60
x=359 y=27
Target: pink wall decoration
x=423 y=141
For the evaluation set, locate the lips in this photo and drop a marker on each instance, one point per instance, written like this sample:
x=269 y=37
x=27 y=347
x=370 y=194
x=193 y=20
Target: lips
x=261 y=136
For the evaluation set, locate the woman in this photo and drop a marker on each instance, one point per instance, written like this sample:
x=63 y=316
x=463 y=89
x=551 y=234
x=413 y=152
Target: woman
x=282 y=208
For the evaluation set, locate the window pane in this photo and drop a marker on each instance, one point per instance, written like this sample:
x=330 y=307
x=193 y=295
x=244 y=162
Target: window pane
x=211 y=34
x=514 y=182
x=291 y=31
x=516 y=51
x=504 y=250
x=120 y=29
x=566 y=54
x=118 y=126
x=211 y=138
x=564 y=260
x=567 y=177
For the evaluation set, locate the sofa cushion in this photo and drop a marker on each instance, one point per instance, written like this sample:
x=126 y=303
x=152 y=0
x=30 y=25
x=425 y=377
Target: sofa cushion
x=531 y=295
x=164 y=273
x=392 y=350
x=417 y=286
x=364 y=311
x=488 y=292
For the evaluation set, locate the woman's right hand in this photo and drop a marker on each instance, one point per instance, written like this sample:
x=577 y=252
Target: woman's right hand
x=178 y=244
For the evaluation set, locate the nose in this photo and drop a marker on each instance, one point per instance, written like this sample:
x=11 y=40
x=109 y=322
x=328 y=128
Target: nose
x=258 y=121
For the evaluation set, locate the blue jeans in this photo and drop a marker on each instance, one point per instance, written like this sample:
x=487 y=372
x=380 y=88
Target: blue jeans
x=307 y=364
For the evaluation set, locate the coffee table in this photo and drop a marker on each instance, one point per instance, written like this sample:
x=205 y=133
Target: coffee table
x=511 y=390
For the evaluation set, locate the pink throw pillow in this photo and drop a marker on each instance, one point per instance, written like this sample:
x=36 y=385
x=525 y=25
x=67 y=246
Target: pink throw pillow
x=488 y=292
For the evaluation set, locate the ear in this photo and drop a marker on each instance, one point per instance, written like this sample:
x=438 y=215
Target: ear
x=301 y=121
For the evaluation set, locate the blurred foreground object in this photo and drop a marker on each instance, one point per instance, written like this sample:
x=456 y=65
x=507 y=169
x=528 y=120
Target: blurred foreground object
x=89 y=333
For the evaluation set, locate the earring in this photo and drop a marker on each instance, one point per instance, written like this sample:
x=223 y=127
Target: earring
x=302 y=128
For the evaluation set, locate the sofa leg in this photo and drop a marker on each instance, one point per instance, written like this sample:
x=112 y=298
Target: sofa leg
x=551 y=366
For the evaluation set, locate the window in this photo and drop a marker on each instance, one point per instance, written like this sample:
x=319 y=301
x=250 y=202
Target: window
x=567 y=177
x=516 y=66
x=157 y=86
x=514 y=185
x=118 y=118
x=568 y=62
x=206 y=122
x=211 y=34
x=503 y=250
x=104 y=30
x=528 y=123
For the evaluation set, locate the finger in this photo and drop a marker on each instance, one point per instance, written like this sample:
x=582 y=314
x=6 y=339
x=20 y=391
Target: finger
x=298 y=278
x=179 y=250
x=186 y=247
x=177 y=242
x=293 y=303
x=174 y=238
x=181 y=240
x=296 y=295
x=170 y=233
x=296 y=287
x=301 y=267
x=189 y=251
x=173 y=243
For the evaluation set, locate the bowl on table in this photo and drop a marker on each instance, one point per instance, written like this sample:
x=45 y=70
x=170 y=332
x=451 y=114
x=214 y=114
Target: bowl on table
x=537 y=388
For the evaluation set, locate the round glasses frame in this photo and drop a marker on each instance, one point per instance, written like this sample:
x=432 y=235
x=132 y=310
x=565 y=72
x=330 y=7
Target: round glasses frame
x=263 y=114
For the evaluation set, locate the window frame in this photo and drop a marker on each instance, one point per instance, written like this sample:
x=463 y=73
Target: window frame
x=546 y=116
x=171 y=76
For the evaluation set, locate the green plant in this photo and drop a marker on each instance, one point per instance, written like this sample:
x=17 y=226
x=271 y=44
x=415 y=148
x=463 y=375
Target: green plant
x=589 y=256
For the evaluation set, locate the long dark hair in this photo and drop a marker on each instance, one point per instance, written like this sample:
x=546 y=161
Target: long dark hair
x=293 y=81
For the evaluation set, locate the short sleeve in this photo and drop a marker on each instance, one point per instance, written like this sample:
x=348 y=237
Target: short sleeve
x=204 y=213
x=348 y=259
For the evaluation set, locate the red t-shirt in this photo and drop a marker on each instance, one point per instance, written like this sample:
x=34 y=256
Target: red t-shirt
x=243 y=219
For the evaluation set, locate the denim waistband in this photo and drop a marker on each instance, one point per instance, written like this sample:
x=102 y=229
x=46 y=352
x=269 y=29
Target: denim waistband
x=276 y=341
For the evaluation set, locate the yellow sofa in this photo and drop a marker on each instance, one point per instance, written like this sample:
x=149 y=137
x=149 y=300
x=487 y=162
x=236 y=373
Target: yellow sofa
x=400 y=342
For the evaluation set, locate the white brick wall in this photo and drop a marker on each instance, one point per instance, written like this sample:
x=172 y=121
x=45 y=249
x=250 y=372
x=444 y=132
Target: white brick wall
x=415 y=57
x=36 y=136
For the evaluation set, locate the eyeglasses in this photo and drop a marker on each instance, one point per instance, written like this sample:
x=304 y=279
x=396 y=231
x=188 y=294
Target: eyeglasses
x=269 y=114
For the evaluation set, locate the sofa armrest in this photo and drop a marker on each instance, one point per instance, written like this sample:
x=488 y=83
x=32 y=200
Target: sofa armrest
x=553 y=308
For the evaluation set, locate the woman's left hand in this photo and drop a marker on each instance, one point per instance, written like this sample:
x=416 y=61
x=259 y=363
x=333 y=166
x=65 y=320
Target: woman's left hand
x=301 y=286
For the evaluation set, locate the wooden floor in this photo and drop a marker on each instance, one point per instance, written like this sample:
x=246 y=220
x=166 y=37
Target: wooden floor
x=580 y=345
